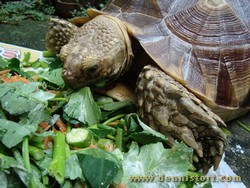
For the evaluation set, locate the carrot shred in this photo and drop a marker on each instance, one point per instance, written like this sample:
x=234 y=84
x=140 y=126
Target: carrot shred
x=54 y=129
x=62 y=127
x=114 y=123
x=77 y=125
x=2 y=72
x=44 y=125
x=109 y=148
x=93 y=146
x=75 y=148
x=35 y=78
x=53 y=108
x=121 y=185
x=15 y=78
x=53 y=91
x=47 y=142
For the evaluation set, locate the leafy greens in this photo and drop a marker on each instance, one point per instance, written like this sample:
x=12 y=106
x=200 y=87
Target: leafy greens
x=38 y=110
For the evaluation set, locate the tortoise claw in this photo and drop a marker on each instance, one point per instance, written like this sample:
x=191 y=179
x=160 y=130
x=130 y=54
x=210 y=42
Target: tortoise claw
x=205 y=168
x=216 y=161
x=195 y=158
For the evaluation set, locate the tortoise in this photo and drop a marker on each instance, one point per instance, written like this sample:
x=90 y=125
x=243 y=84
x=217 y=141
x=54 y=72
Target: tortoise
x=193 y=59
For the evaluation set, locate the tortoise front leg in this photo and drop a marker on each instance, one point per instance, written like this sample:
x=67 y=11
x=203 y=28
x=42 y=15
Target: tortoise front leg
x=168 y=107
x=59 y=33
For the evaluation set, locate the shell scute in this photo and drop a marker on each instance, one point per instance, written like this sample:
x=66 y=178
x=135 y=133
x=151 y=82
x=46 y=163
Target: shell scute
x=203 y=25
x=203 y=44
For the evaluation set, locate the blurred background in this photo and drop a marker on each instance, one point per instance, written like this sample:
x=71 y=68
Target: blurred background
x=11 y=12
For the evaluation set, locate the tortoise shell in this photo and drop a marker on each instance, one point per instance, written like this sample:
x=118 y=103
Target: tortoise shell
x=203 y=44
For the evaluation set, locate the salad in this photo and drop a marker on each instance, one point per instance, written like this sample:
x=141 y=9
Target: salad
x=52 y=136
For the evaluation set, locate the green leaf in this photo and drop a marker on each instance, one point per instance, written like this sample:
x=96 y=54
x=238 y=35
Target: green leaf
x=100 y=167
x=54 y=76
x=4 y=63
x=44 y=164
x=34 y=117
x=4 y=181
x=73 y=170
x=7 y=162
x=154 y=160
x=18 y=98
x=12 y=133
x=28 y=124
x=112 y=106
x=42 y=96
x=2 y=115
x=110 y=109
x=101 y=131
x=102 y=100
x=10 y=180
x=140 y=132
x=54 y=62
x=82 y=107
x=15 y=66
x=145 y=137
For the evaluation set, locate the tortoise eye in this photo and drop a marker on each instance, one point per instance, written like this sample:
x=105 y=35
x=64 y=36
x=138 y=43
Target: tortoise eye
x=93 y=68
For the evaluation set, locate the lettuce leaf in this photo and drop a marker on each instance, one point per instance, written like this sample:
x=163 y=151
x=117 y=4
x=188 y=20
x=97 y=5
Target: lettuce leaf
x=140 y=132
x=54 y=77
x=28 y=124
x=73 y=170
x=100 y=167
x=18 y=98
x=82 y=107
x=29 y=103
x=155 y=162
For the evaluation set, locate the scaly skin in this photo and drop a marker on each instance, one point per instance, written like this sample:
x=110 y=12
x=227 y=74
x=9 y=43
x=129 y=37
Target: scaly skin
x=59 y=34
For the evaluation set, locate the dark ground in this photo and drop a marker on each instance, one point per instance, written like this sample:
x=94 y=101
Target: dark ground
x=31 y=34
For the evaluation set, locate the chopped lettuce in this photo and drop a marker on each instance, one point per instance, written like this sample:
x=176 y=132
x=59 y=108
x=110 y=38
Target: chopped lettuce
x=155 y=162
x=140 y=132
x=18 y=98
x=10 y=130
x=100 y=167
x=73 y=170
x=82 y=107
x=140 y=151
x=28 y=124
x=53 y=76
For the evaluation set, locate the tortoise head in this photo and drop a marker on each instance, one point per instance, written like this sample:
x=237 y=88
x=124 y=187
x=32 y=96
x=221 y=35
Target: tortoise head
x=100 y=50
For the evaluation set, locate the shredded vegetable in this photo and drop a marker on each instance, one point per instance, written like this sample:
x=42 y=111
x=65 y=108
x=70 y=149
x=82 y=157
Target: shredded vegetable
x=37 y=112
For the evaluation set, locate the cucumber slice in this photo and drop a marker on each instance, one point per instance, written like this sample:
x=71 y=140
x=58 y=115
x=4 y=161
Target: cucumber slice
x=78 y=137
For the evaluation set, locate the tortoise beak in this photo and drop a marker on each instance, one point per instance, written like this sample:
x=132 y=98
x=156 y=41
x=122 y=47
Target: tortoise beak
x=75 y=79
x=72 y=78
x=68 y=77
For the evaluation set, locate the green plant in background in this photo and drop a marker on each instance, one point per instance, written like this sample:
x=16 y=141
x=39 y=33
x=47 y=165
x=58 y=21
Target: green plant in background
x=82 y=11
x=12 y=12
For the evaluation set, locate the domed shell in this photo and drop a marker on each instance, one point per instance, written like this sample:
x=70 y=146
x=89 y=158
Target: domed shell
x=204 y=44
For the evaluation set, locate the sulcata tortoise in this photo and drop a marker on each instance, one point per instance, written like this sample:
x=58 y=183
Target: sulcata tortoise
x=196 y=75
